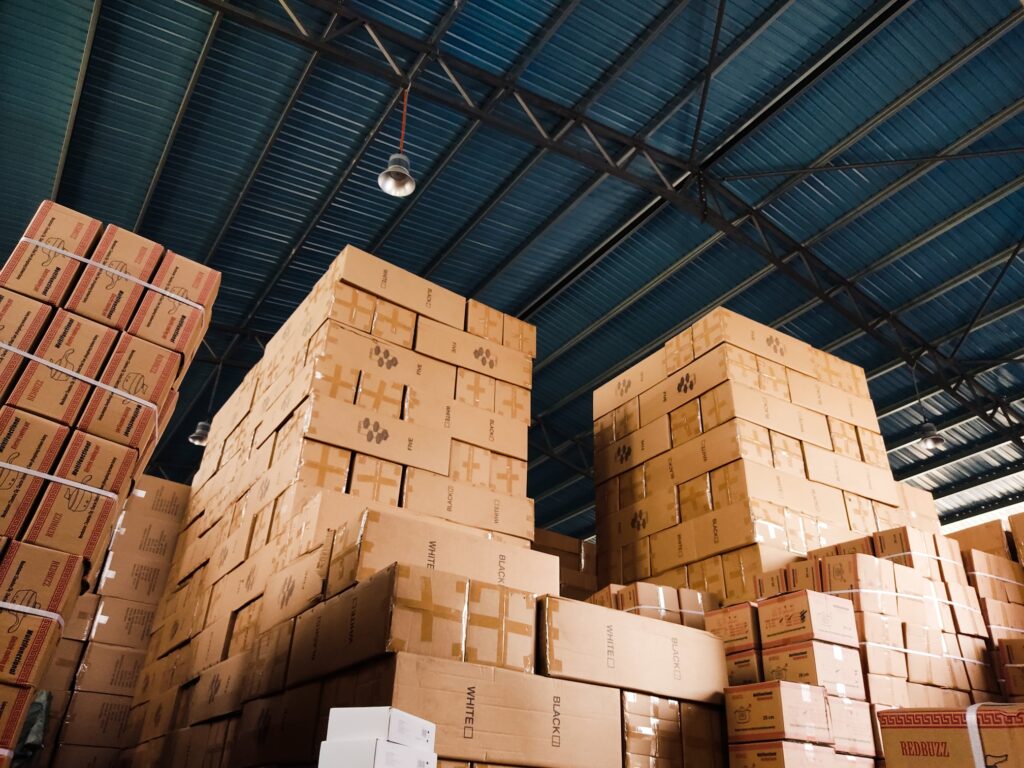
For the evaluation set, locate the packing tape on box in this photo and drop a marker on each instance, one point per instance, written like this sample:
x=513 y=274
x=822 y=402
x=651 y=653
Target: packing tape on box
x=996 y=578
x=31 y=611
x=61 y=480
x=121 y=275
x=81 y=377
x=428 y=610
x=501 y=623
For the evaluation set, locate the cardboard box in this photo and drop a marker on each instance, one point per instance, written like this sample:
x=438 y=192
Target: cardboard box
x=744 y=668
x=430 y=494
x=138 y=368
x=476 y=389
x=734 y=400
x=104 y=295
x=645 y=517
x=988 y=537
x=805 y=616
x=724 y=326
x=850 y=475
x=404 y=288
x=940 y=738
x=495 y=715
x=41 y=272
x=292 y=589
x=74 y=344
x=742 y=481
x=910 y=547
x=136 y=578
x=632 y=449
x=40 y=577
x=14 y=704
x=156 y=496
x=29 y=441
x=630 y=383
x=852 y=726
x=374 y=753
x=882 y=645
x=22 y=321
x=803 y=574
x=501 y=627
x=142 y=535
x=97 y=720
x=385 y=723
x=741 y=568
x=887 y=691
x=651 y=600
x=219 y=690
x=520 y=336
x=834 y=667
x=377 y=539
x=589 y=643
x=269 y=661
x=79 y=625
x=169 y=322
x=736 y=626
x=832 y=401
x=868 y=582
x=484 y=321
x=777 y=710
x=781 y=754
x=59 y=674
x=465 y=350
x=109 y=669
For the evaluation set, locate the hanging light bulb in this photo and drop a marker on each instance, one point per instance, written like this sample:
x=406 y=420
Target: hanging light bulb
x=396 y=179
x=929 y=437
x=201 y=435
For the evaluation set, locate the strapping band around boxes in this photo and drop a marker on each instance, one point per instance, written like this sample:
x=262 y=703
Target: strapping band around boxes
x=663 y=609
x=907 y=596
x=61 y=480
x=29 y=610
x=81 y=377
x=121 y=275
x=996 y=578
x=974 y=735
x=927 y=555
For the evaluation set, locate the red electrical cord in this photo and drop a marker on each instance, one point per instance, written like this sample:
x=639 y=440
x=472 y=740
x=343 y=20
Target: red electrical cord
x=405 y=107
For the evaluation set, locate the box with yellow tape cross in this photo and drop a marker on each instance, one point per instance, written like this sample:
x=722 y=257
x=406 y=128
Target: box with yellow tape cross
x=501 y=627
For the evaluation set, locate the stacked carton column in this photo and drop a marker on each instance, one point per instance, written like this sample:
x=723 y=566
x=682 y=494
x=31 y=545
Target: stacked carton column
x=99 y=326
x=731 y=451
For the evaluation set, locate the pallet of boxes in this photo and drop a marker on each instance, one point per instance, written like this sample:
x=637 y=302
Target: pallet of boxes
x=98 y=328
x=741 y=462
x=359 y=535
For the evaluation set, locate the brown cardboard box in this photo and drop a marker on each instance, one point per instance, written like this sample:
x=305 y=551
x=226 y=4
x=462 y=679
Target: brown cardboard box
x=404 y=288
x=995 y=577
x=493 y=431
x=512 y=401
x=520 y=336
x=141 y=369
x=501 y=627
x=632 y=449
x=850 y=475
x=745 y=480
x=495 y=715
x=43 y=273
x=988 y=537
x=835 y=667
x=650 y=600
x=156 y=496
x=939 y=738
x=74 y=344
x=219 y=690
x=122 y=622
x=645 y=517
x=377 y=539
x=40 y=577
x=484 y=321
x=630 y=383
x=29 y=441
x=777 y=710
x=782 y=754
x=832 y=401
x=59 y=674
x=803 y=574
x=431 y=494
x=737 y=627
x=771 y=583
x=142 y=535
x=457 y=347
x=78 y=626
x=852 y=726
x=393 y=323
x=476 y=389
x=138 y=578
x=807 y=616
x=910 y=547
x=732 y=400
x=109 y=669
x=291 y=590
x=171 y=323
x=102 y=294
x=882 y=645
x=694 y=605
x=679 y=351
x=742 y=567
x=744 y=668
x=868 y=582
x=77 y=756
x=14 y=704
x=589 y=643
x=269 y=661
x=97 y=720
x=724 y=326
x=607 y=596
x=29 y=642
x=22 y=321
x=888 y=691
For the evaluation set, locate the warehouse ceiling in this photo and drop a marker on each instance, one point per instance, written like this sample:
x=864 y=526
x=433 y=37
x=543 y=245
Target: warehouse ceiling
x=850 y=172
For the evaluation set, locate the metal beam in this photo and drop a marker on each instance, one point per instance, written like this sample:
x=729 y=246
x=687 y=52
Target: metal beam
x=979 y=479
x=953 y=455
x=990 y=505
x=954 y=419
x=83 y=67
x=204 y=52
x=655 y=123
x=566 y=517
x=559 y=487
x=531 y=53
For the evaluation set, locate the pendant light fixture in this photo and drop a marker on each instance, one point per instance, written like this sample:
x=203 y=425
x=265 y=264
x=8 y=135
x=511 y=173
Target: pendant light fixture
x=396 y=179
x=201 y=434
x=928 y=436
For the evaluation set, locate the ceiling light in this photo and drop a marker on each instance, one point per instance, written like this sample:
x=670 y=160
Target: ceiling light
x=201 y=435
x=396 y=179
x=929 y=438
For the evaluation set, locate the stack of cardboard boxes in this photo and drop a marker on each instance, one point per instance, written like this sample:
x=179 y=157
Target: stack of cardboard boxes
x=98 y=328
x=735 y=450
x=359 y=534
x=577 y=562
x=98 y=662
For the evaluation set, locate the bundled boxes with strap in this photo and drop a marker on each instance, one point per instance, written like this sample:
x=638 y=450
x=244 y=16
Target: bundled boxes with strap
x=100 y=325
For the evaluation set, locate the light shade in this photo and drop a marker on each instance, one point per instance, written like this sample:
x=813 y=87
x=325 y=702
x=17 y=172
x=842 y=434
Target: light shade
x=929 y=437
x=201 y=435
x=397 y=179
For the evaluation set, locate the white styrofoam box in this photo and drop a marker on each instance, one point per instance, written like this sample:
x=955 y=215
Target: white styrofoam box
x=385 y=723
x=373 y=753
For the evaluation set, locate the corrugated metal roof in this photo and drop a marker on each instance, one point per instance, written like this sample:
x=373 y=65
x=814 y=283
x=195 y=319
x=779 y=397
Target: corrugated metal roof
x=273 y=163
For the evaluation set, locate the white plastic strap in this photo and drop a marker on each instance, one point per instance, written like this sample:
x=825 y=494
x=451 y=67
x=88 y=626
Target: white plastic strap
x=923 y=653
x=925 y=598
x=19 y=608
x=81 y=377
x=62 y=480
x=117 y=272
x=974 y=735
x=996 y=578
x=940 y=558
x=663 y=609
